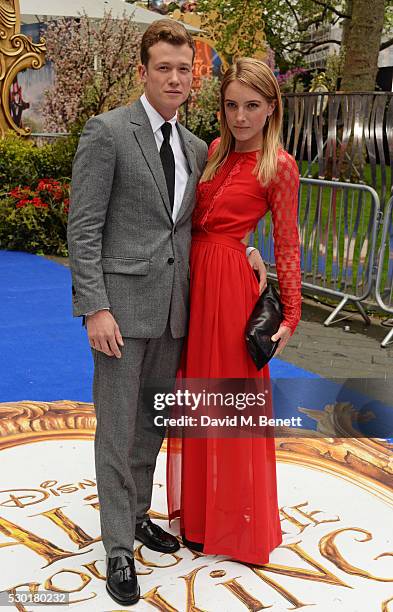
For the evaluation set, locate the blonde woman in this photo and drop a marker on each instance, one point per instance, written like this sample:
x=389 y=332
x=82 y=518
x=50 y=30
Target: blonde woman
x=225 y=492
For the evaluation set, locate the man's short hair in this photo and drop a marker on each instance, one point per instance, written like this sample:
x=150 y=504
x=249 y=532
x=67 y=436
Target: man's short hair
x=168 y=31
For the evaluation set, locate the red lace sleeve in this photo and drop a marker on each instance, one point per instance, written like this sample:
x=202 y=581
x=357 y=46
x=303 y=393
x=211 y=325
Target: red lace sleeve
x=283 y=203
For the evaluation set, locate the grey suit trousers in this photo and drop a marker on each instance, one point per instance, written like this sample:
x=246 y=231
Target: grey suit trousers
x=125 y=455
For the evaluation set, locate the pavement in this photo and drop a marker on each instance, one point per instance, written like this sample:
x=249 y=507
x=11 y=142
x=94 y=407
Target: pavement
x=346 y=349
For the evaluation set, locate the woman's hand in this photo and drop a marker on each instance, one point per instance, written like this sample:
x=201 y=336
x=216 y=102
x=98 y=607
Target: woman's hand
x=283 y=335
x=256 y=262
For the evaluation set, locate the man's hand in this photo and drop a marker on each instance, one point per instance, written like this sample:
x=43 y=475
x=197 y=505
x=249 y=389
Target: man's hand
x=256 y=262
x=104 y=333
x=283 y=335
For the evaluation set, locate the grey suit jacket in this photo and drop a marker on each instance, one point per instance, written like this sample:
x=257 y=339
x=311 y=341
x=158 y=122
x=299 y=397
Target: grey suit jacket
x=126 y=253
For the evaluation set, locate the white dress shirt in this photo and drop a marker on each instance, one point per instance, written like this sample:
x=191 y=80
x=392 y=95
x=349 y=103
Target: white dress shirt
x=182 y=170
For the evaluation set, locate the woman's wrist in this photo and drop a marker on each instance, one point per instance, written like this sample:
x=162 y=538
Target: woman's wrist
x=249 y=250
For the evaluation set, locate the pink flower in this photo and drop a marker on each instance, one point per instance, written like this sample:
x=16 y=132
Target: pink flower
x=22 y=203
x=16 y=192
x=57 y=195
x=48 y=185
x=38 y=203
x=19 y=192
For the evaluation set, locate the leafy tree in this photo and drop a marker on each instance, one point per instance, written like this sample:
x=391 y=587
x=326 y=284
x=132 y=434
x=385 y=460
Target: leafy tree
x=236 y=26
x=286 y=26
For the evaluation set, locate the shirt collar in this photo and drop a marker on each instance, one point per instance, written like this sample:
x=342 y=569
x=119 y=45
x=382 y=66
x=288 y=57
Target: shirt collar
x=156 y=120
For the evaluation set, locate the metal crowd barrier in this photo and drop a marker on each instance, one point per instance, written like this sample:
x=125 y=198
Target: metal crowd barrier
x=338 y=224
x=384 y=282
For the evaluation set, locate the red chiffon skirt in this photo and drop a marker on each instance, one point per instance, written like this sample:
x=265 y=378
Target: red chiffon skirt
x=223 y=489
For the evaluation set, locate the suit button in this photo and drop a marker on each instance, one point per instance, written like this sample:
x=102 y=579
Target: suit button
x=171 y=261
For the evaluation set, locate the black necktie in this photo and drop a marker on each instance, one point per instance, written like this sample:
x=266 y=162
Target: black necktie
x=168 y=161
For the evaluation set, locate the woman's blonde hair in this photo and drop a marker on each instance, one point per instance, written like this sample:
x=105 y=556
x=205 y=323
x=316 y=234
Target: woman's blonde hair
x=258 y=76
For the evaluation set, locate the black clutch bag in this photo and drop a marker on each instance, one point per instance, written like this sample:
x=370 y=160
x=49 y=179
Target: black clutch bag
x=263 y=323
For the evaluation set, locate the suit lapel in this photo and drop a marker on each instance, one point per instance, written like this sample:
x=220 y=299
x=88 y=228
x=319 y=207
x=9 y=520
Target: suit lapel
x=145 y=138
x=191 y=183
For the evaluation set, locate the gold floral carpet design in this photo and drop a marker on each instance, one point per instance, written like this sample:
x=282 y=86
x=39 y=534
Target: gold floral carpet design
x=335 y=497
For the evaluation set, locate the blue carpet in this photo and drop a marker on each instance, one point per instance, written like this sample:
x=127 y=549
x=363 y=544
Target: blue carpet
x=45 y=354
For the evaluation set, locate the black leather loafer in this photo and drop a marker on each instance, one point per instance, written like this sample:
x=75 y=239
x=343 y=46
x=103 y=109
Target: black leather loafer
x=155 y=538
x=197 y=546
x=121 y=581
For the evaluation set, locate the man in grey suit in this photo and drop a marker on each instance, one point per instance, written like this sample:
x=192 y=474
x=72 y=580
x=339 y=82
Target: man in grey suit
x=129 y=232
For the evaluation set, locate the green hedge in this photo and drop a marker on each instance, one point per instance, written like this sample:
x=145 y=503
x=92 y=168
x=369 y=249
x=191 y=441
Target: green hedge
x=22 y=162
x=34 y=194
x=34 y=219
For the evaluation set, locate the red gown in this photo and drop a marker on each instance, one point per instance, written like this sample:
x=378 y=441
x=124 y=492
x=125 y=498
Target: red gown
x=224 y=489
